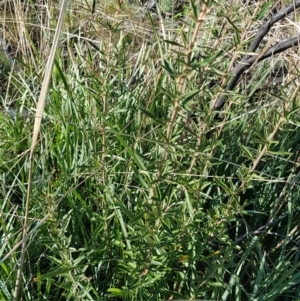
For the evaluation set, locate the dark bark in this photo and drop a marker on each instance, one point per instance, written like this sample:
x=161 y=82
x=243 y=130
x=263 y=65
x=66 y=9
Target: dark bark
x=248 y=60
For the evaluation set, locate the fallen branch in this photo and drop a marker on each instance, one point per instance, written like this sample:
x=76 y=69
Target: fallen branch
x=249 y=59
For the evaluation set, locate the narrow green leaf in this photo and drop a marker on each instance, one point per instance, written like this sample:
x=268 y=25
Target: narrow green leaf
x=247 y=152
x=55 y=272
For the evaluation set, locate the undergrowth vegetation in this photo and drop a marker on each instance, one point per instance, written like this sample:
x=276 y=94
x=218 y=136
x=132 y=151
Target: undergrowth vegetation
x=143 y=188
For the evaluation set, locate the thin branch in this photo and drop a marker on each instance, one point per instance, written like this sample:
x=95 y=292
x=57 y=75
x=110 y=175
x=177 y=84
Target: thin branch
x=180 y=88
x=280 y=47
x=261 y=229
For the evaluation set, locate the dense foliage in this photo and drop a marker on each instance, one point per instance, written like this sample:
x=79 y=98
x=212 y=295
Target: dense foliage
x=142 y=189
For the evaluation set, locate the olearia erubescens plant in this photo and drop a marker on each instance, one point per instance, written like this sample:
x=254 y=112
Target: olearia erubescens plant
x=167 y=161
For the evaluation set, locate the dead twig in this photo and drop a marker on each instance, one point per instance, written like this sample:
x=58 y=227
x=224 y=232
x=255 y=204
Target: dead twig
x=251 y=57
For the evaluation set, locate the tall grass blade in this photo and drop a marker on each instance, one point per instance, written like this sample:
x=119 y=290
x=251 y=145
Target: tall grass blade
x=36 y=130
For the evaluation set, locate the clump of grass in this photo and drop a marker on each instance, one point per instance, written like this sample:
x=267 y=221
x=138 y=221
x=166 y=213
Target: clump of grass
x=138 y=191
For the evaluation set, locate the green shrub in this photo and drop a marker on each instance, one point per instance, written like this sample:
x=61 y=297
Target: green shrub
x=141 y=188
